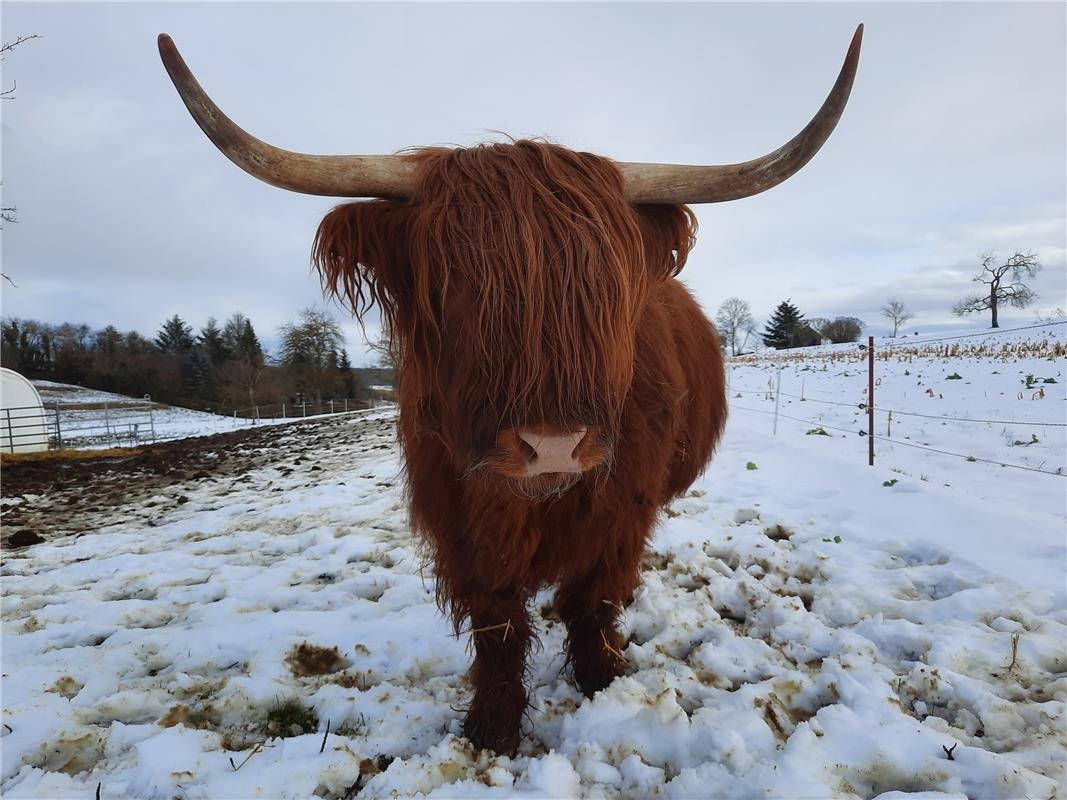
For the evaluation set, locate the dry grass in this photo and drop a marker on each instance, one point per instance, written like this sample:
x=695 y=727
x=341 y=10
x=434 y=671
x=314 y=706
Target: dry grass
x=903 y=351
x=311 y=659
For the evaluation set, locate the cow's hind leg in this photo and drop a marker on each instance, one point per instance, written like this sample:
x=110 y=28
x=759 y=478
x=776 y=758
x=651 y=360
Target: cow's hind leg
x=590 y=606
x=500 y=629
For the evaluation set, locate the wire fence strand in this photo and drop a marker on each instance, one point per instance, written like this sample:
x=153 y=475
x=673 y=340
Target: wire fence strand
x=990 y=332
x=969 y=458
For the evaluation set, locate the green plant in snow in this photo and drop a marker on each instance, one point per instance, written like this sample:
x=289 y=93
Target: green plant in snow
x=955 y=376
x=290 y=719
x=1021 y=443
x=890 y=482
x=820 y=431
x=751 y=465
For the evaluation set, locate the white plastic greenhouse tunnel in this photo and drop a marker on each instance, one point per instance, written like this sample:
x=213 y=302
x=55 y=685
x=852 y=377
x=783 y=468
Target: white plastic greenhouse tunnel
x=23 y=424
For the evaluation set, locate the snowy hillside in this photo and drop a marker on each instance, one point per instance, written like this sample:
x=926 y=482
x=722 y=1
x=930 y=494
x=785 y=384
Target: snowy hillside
x=248 y=616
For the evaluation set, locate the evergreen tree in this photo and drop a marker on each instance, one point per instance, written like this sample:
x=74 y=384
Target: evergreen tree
x=175 y=336
x=250 y=347
x=348 y=377
x=211 y=340
x=784 y=327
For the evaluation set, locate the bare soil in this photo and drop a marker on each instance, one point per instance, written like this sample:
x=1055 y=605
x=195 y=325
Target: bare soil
x=63 y=496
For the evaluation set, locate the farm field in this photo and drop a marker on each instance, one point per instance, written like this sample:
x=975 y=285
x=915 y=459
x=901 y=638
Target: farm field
x=82 y=413
x=247 y=615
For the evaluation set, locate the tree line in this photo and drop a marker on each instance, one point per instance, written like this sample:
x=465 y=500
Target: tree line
x=222 y=366
x=787 y=327
x=1002 y=282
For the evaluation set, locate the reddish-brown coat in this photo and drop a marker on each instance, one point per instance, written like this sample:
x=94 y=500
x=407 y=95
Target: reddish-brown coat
x=521 y=288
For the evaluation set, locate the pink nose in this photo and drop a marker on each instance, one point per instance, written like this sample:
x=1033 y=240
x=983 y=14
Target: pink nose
x=547 y=453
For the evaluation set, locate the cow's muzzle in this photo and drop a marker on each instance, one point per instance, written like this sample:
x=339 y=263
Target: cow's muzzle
x=530 y=450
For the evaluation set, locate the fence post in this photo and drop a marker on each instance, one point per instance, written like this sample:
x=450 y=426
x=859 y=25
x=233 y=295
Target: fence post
x=870 y=401
x=331 y=406
x=59 y=429
x=777 y=399
x=304 y=408
x=107 y=419
x=10 y=431
x=283 y=410
x=346 y=404
x=256 y=410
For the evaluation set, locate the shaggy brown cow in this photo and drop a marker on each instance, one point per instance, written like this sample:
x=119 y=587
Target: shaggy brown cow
x=557 y=384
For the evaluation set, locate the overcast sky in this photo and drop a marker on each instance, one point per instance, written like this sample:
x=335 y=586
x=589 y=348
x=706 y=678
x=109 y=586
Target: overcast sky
x=953 y=142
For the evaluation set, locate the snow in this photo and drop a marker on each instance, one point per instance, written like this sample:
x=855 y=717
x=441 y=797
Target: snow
x=802 y=629
x=128 y=422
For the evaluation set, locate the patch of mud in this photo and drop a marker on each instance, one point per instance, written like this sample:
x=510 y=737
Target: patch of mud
x=52 y=498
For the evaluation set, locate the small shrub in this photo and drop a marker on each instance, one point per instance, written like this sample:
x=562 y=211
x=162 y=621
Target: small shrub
x=955 y=376
x=835 y=540
x=820 y=431
x=890 y=482
x=1021 y=443
x=751 y=465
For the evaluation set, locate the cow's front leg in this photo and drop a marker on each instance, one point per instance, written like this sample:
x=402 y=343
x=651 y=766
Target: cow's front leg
x=590 y=606
x=500 y=629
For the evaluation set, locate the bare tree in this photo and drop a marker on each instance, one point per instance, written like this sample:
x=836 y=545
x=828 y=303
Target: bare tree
x=734 y=318
x=311 y=348
x=896 y=313
x=1053 y=316
x=993 y=275
x=7 y=47
x=10 y=214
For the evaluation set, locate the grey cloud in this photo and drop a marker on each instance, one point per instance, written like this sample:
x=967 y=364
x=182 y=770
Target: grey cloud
x=129 y=215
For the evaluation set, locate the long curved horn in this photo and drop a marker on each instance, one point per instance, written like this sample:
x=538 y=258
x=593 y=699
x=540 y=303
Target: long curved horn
x=334 y=176
x=683 y=183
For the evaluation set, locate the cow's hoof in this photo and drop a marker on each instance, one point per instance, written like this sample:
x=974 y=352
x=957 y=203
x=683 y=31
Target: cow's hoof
x=593 y=678
x=489 y=730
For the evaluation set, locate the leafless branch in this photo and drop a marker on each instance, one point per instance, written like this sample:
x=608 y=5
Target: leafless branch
x=7 y=47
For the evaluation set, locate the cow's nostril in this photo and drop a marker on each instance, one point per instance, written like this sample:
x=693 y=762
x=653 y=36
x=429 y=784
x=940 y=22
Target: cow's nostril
x=527 y=451
x=574 y=452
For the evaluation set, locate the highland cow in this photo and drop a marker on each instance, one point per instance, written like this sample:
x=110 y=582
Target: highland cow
x=557 y=384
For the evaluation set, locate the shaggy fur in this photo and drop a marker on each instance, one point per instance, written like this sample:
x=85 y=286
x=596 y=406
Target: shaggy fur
x=520 y=288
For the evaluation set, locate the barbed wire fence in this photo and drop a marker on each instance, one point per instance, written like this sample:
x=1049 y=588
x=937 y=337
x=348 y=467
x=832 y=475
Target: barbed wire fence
x=870 y=408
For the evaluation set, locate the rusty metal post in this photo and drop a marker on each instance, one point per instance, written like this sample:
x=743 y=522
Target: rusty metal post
x=870 y=401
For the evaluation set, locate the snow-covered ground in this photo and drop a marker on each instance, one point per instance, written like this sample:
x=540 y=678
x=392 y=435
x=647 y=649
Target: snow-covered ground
x=92 y=418
x=808 y=626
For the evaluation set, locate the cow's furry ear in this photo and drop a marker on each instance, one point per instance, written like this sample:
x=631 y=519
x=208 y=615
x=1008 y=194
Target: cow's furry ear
x=360 y=252
x=668 y=232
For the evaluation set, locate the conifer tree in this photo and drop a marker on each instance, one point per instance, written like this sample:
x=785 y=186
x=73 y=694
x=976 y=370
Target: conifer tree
x=175 y=336
x=211 y=340
x=783 y=327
